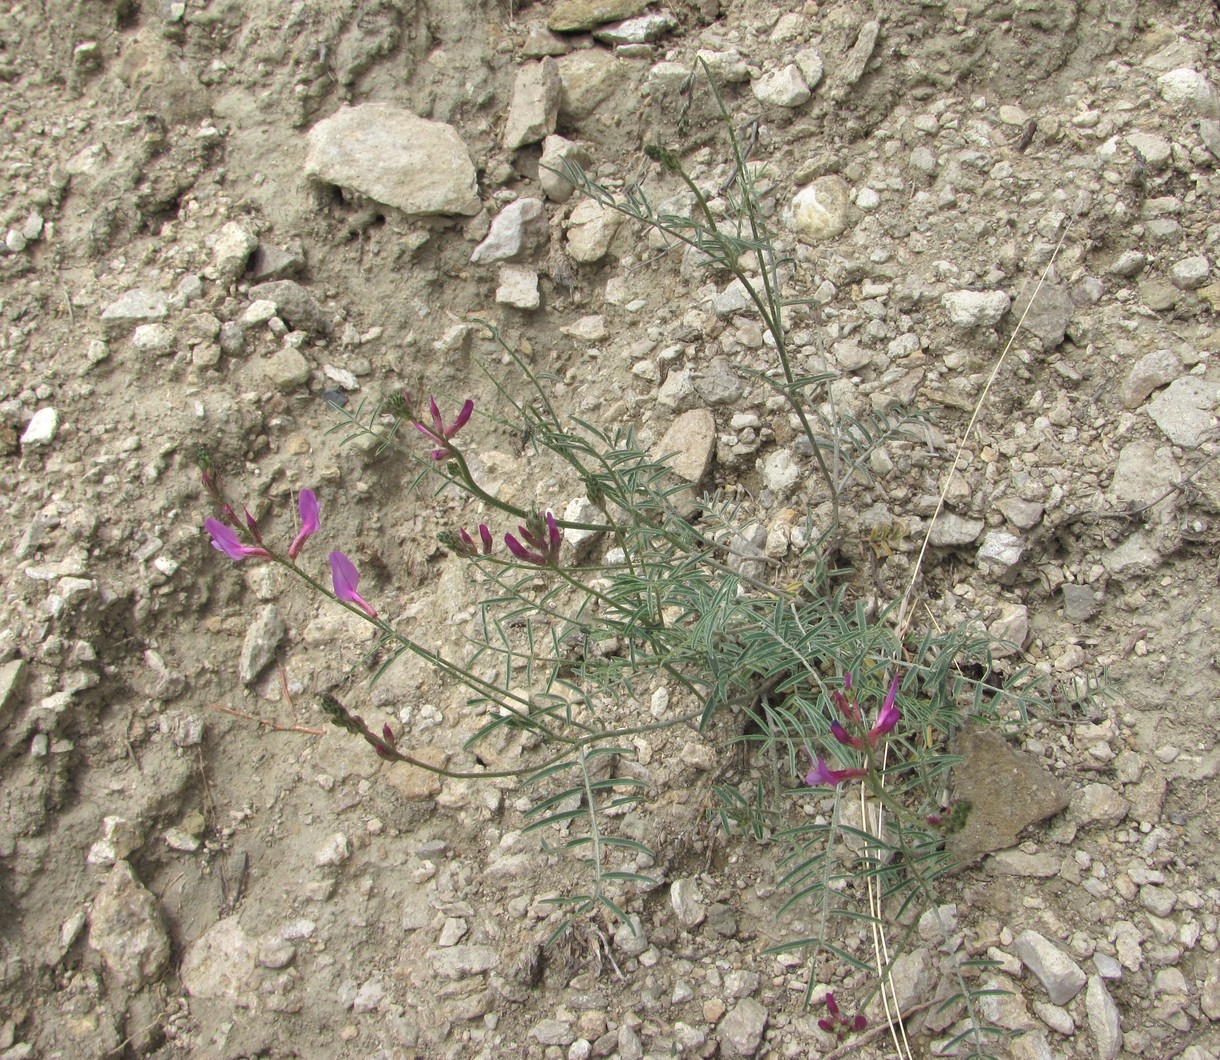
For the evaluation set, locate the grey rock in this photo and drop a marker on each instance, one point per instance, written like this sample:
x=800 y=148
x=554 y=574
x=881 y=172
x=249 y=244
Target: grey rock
x=518 y=287
x=1024 y=515
x=741 y=1030
x=396 y=158
x=540 y=41
x=1008 y=790
x=1159 y=901
x=1209 y=133
x=126 y=928
x=975 y=309
x=1103 y=1019
x=232 y=338
x=1006 y=1008
x=629 y=1045
x=588 y=78
x=520 y=228
x=553 y=1032
x=294 y=304
x=286 y=369
x=631 y=939
x=461 y=962
x=740 y=983
x=231 y=251
x=687 y=902
x=1080 y=603
x=781 y=471
x=1018 y=863
x=913 y=977
x=678 y=390
x=1129 y=263
x=1134 y=557
x=135 y=307
x=1011 y=630
x=733 y=299
x=577 y=16
x=276 y=263
x=784 y=87
x=221 y=963
x=12 y=684
x=591 y=229
x=1151 y=371
x=1000 y=552
x=41 y=429
x=1185 y=409
x=1187 y=90
x=1056 y=971
x=811 y=67
x=951 y=530
x=691 y=439
x=1048 y=314
x=852 y=68
x=1142 y=473
x=1098 y=804
x=642 y=30
x=534 y=108
x=1155 y=150
x=718 y=384
x=820 y=211
x=1190 y=273
x=1209 y=992
x=556 y=150
x=259 y=647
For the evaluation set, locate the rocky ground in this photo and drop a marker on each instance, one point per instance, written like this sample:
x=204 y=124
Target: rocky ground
x=219 y=218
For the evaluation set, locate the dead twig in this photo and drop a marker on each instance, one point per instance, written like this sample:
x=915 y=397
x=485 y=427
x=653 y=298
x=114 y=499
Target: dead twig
x=267 y=723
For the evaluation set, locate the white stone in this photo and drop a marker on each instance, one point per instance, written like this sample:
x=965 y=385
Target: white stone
x=1187 y=89
x=1103 y=1019
x=780 y=472
x=555 y=152
x=155 y=339
x=535 y=104
x=42 y=428
x=1190 y=273
x=518 y=287
x=335 y=851
x=1057 y=972
x=592 y=228
x=819 y=211
x=1151 y=371
x=395 y=157
x=519 y=228
x=1185 y=410
x=973 y=309
x=784 y=87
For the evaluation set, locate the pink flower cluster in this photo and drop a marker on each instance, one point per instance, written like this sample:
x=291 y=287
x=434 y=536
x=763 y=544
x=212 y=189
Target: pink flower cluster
x=344 y=576
x=855 y=738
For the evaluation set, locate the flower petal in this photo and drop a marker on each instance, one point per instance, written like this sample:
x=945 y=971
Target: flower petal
x=224 y=539
x=461 y=420
x=344 y=576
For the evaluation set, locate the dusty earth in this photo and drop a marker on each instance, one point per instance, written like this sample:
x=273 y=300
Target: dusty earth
x=178 y=879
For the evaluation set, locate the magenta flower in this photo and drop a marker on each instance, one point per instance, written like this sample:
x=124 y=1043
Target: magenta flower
x=307 y=504
x=485 y=542
x=543 y=538
x=346 y=580
x=823 y=774
x=838 y=1024
x=439 y=433
x=887 y=718
x=225 y=539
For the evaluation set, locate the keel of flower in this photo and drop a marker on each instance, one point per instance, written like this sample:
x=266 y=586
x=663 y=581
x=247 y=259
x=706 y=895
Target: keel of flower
x=838 y=1024
x=307 y=505
x=823 y=774
x=442 y=434
x=225 y=539
x=346 y=580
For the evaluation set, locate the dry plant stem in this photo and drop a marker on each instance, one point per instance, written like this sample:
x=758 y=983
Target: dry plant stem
x=267 y=723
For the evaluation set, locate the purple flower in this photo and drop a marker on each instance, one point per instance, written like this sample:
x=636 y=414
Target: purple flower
x=845 y=738
x=889 y=716
x=346 y=580
x=472 y=549
x=225 y=539
x=838 y=1024
x=823 y=774
x=439 y=433
x=543 y=538
x=307 y=504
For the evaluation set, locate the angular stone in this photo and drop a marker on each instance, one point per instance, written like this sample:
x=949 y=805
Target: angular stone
x=262 y=640
x=975 y=309
x=396 y=158
x=591 y=229
x=784 y=87
x=294 y=304
x=1080 y=603
x=535 y=104
x=127 y=930
x=221 y=963
x=41 y=429
x=589 y=77
x=1008 y=790
x=460 y=962
x=1188 y=90
x=578 y=16
x=12 y=683
x=1098 y=804
x=154 y=339
x=286 y=369
x=1151 y=371
x=741 y=1030
x=1000 y=552
x=136 y=307
x=951 y=530
x=1048 y=314
x=556 y=150
x=819 y=211
x=1185 y=410
x=1143 y=473
x=1154 y=150
x=1190 y=273
x=518 y=287
x=691 y=442
x=687 y=902
x=520 y=228
x=1103 y=1019
x=853 y=65
x=231 y=251
x=1056 y=971
x=642 y=30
